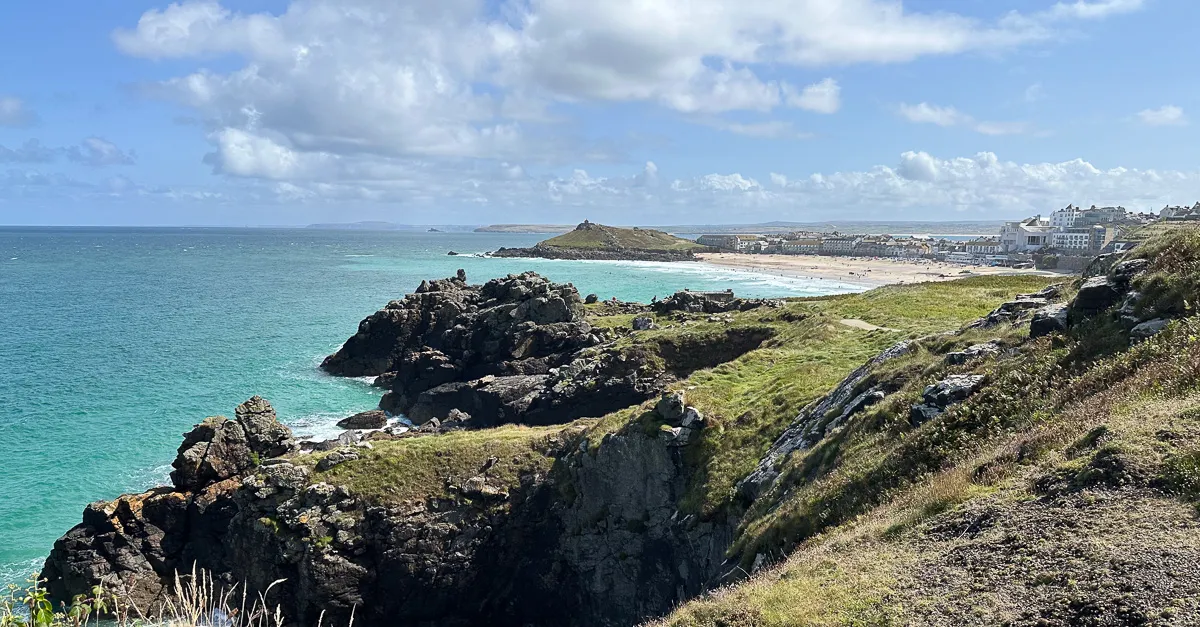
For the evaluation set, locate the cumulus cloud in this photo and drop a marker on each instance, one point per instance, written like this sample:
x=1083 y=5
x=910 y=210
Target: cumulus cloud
x=97 y=152
x=925 y=113
x=822 y=97
x=467 y=79
x=1167 y=115
x=15 y=113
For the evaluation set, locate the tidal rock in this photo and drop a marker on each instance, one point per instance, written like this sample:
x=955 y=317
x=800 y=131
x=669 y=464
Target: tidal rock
x=1047 y=320
x=372 y=419
x=591 y=299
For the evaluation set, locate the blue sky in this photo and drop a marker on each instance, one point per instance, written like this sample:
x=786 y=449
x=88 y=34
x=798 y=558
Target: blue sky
x=131 y=112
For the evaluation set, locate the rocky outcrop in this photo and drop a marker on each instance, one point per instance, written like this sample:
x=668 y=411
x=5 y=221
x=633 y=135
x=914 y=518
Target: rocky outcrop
x=1048 y=319
x=135 y=544
x=707 y=303
x=940 y=395
x=595 y=541
x=515 y=350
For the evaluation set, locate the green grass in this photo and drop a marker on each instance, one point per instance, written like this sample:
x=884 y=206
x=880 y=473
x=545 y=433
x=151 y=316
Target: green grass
x=1053 y=419
x=418 y=468
x=610 y=237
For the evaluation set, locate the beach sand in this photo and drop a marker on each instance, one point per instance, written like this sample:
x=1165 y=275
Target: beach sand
x=865 y=271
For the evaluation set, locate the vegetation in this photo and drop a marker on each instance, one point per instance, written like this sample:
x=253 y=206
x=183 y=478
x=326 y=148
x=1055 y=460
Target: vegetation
x=1083 y=445
x=598 y=236
x=413 y=469
x=197 y=601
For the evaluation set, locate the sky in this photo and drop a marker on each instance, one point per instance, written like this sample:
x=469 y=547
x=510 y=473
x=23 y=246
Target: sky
x=277 y=112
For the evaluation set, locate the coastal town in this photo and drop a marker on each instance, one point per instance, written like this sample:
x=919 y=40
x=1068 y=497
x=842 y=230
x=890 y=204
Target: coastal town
x=1067 y=239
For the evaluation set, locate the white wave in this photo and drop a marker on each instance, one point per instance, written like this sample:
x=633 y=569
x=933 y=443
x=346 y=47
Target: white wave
x=19 y=572
x=358 y=255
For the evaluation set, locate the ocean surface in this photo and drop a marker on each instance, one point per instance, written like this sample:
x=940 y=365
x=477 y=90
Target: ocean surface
x=113 y=342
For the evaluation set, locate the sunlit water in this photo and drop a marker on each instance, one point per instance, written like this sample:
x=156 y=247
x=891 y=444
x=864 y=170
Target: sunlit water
x=113 y=342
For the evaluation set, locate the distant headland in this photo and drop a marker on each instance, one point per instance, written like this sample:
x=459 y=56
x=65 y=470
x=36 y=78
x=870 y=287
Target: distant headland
x=593 y=241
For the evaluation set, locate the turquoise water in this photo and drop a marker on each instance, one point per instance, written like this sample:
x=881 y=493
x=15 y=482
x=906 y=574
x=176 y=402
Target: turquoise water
x=116 y=341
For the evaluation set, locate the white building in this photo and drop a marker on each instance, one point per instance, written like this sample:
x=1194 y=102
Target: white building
x=1072 y=239
x=1026 y=235
x=839 y=245
x=1065 y=218
x=983 y=247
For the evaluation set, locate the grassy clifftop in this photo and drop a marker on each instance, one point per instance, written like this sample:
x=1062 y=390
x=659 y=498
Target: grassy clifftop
x=1063 y=492
x=590 y=236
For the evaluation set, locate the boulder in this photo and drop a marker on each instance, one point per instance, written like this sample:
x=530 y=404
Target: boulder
x=1095 y=295
x=1148 y=328
x=671 y=408
x=338 y=456
x=1123 y=272
x=975 y=351
x=920 y=414
x=372 y=419
x=952 y=389
x=214 y=450
x=643 y=323
x=1047 y=320
x=591 y=299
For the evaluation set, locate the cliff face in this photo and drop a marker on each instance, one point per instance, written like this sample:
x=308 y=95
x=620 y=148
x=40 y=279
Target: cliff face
x=593 y=540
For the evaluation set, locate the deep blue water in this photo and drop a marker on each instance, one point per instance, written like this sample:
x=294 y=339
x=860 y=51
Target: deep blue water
x=113 y=342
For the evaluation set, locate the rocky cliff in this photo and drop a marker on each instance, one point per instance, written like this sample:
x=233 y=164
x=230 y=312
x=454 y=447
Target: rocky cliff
x=698 y=478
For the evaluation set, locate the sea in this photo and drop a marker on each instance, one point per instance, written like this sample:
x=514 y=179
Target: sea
x=115 y=341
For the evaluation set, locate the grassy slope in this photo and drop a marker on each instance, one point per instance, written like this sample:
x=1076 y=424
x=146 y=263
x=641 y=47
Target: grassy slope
x=600 y=237
x=1062 y=490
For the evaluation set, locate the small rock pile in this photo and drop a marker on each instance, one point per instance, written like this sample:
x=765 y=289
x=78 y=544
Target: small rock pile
x=682 y=420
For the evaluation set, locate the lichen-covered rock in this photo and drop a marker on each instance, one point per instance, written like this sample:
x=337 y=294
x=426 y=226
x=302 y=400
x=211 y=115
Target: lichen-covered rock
x=975 y=351
x=1047 y=320
x=219 y=448
x=1148 y=329
x=952 y=389
x=643 y=323
x=338 y=456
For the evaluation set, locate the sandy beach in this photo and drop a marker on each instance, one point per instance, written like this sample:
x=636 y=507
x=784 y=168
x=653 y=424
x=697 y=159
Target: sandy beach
x=866 y=271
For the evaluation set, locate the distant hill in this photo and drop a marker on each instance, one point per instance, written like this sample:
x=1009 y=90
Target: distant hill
x=593 y=236
x=597 y=241
x=855 y=227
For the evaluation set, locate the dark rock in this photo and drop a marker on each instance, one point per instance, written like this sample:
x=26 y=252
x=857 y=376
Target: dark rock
x=588 y=254
x=920 y=414
x=643 y=323
x=1047 y=320
x=1148 y=328
x=591 y=299
x=670 y=408
x=339 y=456
x=452 y=254
x=1049 y=293
x=1124 y=271
x=266 y=436
x=1095 y=295
x=494 y=399
x=372 y=419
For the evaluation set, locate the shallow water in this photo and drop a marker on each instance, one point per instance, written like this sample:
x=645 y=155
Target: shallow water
x=115 y=341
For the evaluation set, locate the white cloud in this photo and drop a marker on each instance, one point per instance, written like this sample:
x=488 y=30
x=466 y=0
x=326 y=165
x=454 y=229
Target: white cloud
x=97 y=152
x=1166 y=115
x=14 y=112
x=822 y=97
x=925 y=113
x=1034 y=93
x=360 y=79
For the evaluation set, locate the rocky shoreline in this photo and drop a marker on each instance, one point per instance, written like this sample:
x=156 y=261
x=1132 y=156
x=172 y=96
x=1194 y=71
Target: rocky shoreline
x=585 y=254
x=572 y=525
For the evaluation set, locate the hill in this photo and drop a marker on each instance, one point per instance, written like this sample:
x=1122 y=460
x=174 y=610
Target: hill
x=597 y=241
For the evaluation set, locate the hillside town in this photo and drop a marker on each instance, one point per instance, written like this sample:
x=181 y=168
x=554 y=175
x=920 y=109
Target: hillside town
x=1068 y=237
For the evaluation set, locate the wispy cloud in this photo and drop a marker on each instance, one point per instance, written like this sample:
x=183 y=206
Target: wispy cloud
x=925 y=113
x=1166 y=115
